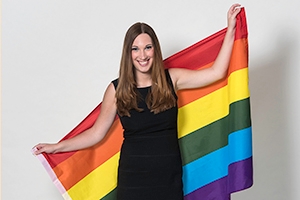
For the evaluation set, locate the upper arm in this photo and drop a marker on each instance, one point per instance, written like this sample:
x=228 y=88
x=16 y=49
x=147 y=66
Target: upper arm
x=188 y=79
x=107 y=112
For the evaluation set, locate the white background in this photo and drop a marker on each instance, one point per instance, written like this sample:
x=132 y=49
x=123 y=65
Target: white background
x=59 y=56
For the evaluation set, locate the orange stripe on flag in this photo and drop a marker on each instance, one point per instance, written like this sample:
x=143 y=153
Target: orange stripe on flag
x=111 y=145
x=241 y=59
x=95 y=156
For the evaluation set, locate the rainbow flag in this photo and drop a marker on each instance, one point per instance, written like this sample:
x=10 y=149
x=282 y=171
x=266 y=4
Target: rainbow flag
x=214 y=128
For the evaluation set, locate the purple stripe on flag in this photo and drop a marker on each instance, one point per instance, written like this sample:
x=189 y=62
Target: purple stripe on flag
x=239 y=177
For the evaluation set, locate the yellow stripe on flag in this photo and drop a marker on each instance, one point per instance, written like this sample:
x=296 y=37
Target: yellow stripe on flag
x=214 y=106
x=102 y=180
x=98 y=183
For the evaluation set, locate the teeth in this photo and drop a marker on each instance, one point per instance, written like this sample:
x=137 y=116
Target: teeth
x=143 y=62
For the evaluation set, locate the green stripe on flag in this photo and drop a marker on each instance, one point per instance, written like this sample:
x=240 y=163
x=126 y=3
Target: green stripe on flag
x=215 y=135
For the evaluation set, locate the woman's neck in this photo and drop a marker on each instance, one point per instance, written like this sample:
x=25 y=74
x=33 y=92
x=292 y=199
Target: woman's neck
x=143 y=80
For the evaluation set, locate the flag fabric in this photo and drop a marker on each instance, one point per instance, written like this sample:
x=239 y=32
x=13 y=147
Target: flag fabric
x=214 y=133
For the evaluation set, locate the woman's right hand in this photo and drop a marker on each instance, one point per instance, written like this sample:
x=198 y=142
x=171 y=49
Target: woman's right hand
x=90 y=136
x=44 y=148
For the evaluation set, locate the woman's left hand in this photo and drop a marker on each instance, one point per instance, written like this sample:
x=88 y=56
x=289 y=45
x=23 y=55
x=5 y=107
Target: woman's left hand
x=231 y=15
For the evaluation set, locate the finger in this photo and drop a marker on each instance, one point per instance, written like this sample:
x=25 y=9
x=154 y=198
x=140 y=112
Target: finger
x=234 y=6
x=38 y=146
x=38 y=149
x=236 y=11
x=35 y=151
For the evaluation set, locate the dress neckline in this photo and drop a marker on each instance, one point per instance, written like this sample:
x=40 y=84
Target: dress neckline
x=146 y=87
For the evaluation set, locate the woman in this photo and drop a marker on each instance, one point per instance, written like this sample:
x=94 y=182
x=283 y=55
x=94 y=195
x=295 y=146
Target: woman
x=144 y=97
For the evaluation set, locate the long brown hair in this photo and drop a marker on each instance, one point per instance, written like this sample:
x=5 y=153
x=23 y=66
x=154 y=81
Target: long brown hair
x=161 y=97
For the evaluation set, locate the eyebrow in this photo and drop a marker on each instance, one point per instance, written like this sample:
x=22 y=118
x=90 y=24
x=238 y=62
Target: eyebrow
x=145 y=45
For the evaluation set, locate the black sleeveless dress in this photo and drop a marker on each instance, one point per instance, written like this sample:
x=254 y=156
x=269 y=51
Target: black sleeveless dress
x=150 y=165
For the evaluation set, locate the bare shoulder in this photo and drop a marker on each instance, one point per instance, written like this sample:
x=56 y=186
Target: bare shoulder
x=175 y=74
x=178 y=75
x=109 y=95
x=108 y=111
x=173 y=71
x=111 y=88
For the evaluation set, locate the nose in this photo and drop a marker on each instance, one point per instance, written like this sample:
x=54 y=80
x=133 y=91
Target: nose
x=142 y=54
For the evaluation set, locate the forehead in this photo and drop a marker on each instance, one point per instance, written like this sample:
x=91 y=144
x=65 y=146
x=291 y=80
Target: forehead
x=142 y=39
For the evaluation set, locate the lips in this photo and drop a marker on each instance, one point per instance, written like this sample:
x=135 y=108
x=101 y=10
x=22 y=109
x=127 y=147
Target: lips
x=144 y=62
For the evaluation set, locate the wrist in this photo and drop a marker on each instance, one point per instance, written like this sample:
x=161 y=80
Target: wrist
x=230 y=34
x=58 y=147
x=230 y=30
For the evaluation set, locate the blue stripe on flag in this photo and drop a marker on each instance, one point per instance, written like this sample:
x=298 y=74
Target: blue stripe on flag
x=214 y=166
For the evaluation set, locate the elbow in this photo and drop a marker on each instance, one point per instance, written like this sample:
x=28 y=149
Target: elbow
x=97 y=135
x=223 y=74
x=219 y=72
x=219 y=75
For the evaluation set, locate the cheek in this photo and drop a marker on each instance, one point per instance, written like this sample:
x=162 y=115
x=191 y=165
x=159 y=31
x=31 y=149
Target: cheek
x=150 y=53
x=133 y=56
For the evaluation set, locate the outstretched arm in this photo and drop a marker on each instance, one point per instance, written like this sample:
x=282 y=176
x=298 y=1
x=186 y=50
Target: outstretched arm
x=91 y=136
x=186 y=79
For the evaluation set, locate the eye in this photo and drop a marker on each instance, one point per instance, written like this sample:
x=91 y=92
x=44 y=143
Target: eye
x=134 y=48
x=148 y=47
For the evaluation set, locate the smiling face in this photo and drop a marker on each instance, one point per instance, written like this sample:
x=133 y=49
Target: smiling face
x=142 y=53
